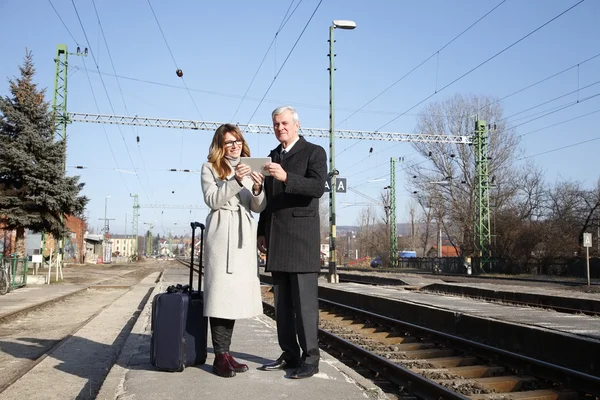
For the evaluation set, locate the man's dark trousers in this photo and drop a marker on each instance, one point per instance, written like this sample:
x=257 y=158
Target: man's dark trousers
x=297 y=313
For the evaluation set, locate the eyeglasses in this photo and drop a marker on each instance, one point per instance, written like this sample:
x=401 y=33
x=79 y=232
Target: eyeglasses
x=230 y=143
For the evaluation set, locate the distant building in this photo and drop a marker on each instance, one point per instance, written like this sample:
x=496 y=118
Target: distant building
x=123 y=245
x=447 y=251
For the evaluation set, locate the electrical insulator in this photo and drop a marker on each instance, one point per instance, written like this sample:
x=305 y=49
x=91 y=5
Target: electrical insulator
x=179 y=72
x=138 y=138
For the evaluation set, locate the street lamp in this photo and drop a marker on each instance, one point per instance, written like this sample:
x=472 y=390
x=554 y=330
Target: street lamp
x=339 y=24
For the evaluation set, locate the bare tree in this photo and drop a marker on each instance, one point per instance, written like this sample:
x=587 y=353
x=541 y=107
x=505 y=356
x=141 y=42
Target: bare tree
x=455 y=163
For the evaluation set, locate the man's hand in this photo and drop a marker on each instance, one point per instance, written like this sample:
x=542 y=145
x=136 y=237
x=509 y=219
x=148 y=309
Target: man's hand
x=261 y=244
x=277 y=172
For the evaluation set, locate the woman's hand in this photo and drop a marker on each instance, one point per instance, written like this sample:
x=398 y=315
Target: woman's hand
x=241 y=171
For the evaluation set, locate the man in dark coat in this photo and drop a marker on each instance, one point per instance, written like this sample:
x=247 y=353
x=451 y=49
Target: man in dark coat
x=289 y=233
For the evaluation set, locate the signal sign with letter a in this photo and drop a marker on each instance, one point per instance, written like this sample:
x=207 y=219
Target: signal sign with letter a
x=340 y=185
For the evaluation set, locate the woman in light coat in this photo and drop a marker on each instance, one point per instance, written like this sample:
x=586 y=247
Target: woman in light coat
x=231 y=286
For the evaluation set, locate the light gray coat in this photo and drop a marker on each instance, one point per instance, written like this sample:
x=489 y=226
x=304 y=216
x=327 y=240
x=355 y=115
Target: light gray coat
x=231 y=285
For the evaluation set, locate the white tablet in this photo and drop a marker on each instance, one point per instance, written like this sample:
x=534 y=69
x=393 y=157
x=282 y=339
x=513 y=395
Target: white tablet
x=256 y=163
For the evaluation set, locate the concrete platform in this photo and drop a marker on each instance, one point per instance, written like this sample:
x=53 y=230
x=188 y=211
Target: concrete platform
x=254 y=343
x=560 y=300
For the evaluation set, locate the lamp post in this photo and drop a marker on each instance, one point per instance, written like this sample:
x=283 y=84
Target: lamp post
x=339 y=24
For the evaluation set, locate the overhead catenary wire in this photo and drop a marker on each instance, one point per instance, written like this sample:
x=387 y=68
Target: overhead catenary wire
x=105 y=133
x=483 y=63
x=434 y=54
x=550 y=101
x=540 y=81
x=560 y=123
x=473 y=69
x=121 y=92
x=239 y=96
x=284 y=61
x=559 y=148
x=281 y=25
x=560 y=109
x=63 y=22
x=106 y=92
x=173 y=58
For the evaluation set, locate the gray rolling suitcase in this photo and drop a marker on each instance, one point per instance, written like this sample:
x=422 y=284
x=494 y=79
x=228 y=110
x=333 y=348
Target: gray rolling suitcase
x=179 y=328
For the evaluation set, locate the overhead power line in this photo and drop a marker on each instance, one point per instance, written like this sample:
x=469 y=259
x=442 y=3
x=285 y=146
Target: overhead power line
x=173 y=58
x=435 y=53
x=122 y=96
x=541 y=81
x=484 y=62
x=284 y=61
x=560 y=123
x=283 y=23
x=63 y=22
x=106 y=92
x=559 y=148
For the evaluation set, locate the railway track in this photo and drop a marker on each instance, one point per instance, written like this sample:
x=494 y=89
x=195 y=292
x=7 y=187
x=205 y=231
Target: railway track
x=408 y=360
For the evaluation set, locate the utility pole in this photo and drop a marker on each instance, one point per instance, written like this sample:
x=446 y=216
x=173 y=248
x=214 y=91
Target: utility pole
x=107 y=242
x=134 y=223
x=333 y=276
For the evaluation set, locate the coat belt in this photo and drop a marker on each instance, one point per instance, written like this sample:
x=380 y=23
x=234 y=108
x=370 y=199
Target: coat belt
x=230 y=238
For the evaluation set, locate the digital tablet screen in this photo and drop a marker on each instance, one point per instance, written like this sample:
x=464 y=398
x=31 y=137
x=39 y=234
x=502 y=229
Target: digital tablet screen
x=256 y=163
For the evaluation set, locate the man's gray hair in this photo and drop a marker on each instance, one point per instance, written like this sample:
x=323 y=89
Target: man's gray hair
x=282 y=109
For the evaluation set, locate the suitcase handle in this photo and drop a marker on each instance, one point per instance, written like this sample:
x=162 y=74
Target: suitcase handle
x=195 y=225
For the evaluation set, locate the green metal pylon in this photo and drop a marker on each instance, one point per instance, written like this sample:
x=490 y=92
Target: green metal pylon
x=482 y=232
x=59 y=109
x=393 y=234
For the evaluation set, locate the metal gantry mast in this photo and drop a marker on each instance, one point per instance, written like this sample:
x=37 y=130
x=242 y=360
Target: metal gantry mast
x=481 y=232
x=393 y=233
x=60 y=118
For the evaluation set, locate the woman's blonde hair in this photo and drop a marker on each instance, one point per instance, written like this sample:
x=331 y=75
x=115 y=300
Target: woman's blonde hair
x=216 y=153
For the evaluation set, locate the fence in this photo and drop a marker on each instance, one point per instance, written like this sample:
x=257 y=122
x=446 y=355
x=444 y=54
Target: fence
x=18 y=270
x=448 y=265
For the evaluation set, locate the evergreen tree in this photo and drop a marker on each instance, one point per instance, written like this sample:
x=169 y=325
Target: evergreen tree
x=34 y=191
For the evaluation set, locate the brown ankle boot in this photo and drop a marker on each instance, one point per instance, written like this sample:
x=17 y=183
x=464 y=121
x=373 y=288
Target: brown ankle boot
x=222 y=367
x=236 y=365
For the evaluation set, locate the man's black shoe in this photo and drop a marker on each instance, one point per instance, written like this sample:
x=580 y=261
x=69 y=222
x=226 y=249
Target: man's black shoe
x=278 y=364
x=305 y=371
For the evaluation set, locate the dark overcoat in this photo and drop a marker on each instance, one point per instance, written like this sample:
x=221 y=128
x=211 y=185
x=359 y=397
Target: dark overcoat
x=291 y=223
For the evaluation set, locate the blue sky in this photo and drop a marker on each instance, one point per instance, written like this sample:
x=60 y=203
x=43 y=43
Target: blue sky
x=220 y=45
